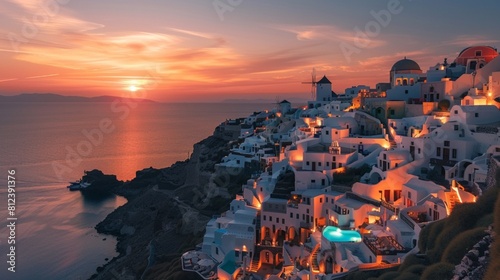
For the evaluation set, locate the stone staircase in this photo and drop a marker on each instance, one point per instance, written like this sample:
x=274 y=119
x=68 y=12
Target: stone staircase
x=314 y=258
x=254 y=266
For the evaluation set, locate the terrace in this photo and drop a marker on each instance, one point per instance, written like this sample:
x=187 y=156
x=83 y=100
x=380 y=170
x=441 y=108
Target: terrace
x=201 y=263
x=383 y=244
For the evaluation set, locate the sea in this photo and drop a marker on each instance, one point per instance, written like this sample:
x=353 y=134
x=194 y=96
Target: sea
x=48 y=145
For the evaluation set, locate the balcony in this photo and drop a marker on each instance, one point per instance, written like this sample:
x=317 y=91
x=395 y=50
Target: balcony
x=443 y=162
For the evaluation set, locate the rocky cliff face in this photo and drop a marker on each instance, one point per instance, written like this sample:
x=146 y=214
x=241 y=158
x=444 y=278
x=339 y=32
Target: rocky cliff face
x=166 y=214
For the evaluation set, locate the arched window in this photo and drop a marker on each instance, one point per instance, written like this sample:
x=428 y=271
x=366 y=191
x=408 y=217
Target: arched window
x=405 y=82
x=412 y=82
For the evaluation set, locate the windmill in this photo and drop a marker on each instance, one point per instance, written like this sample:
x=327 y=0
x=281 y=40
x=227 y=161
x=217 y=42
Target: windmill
x=277 y=103
x=313 y=83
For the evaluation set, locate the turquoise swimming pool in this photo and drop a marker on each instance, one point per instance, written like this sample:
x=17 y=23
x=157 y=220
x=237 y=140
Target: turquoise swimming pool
x=335 y=234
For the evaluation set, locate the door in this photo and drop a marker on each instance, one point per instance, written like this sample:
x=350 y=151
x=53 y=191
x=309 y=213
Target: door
x=313 y=166
x=446 y=154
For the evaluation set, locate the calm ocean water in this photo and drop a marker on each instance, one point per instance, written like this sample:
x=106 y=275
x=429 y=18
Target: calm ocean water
x=49 y=144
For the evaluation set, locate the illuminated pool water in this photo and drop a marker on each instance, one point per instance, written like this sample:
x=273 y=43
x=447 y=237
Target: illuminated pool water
x=335 y=234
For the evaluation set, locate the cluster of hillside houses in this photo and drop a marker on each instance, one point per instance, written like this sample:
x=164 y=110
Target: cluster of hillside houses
x=427 y=141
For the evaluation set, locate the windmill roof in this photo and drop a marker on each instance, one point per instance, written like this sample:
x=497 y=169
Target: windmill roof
x=285 y=101
x=324 y=80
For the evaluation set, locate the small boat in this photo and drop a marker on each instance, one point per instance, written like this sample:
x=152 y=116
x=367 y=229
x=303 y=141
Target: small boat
x=78 y=185
x=85 y=185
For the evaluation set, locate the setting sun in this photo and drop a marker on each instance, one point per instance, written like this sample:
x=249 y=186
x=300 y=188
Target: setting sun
x=133 y=88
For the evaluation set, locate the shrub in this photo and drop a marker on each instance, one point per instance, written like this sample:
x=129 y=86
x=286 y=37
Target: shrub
x=438 y=271
x=485 y=221
x=389 y=275
x=429 y=234
x=493 y=269
x=417 y=269
x=461 y=244
x=407 y=276
x=411 y=261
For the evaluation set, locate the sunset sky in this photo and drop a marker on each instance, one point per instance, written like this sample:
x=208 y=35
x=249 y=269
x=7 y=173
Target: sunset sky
x=209 y=50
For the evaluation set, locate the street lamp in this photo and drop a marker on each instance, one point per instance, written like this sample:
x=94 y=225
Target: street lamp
x=473 y=78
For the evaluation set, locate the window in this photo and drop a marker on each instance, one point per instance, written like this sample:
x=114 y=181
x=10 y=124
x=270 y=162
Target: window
x=319 y=163
x=327 y=163
x=313 y=181
x=340 y=165
x=327 y=200
x=418 y=151
x=322 y=183
x=264 y=217
x=431 y=89
x=291 y=215
x=321 y=199
x=454 y=153
x=409 y=195
x=307 y=163
x=236 y=253
x=438 y=151
x=446 y=143
x=216 y=250
x=392 y=112
x=479 y=53
x=307 y=211
x=333 y=158
x=425 y=96
x=385 y=156
x=456 y=112
x=406 y=91
x=327 y=132
x=283 y=221
x=297 y=216
x=473 y=65
x=455 y=127
x=476 y=115
x=277 y=220
x=437 y=96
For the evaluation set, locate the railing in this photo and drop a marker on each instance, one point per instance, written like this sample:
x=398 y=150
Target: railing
x=443 y=162
x=407 y=220
x=354 y=196
x=388 y=206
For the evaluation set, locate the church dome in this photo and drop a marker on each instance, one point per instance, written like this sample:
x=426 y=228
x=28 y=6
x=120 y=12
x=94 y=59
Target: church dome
x=405 y=65
x=486 y=53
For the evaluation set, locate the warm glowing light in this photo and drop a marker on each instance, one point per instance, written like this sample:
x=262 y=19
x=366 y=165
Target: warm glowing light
x=489 y=94
x=133 y=88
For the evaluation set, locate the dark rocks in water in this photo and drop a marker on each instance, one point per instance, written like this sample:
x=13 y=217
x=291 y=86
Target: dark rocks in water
x=100 y=182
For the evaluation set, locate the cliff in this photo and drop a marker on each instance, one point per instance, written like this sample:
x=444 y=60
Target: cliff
x=166 y=213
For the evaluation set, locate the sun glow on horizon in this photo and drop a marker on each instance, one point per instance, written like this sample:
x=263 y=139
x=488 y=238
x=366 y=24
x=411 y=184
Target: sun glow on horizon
x=133 y=88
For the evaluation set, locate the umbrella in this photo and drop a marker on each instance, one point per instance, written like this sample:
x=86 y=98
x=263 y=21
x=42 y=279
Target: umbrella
x=205 y=262
x=191 y=255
